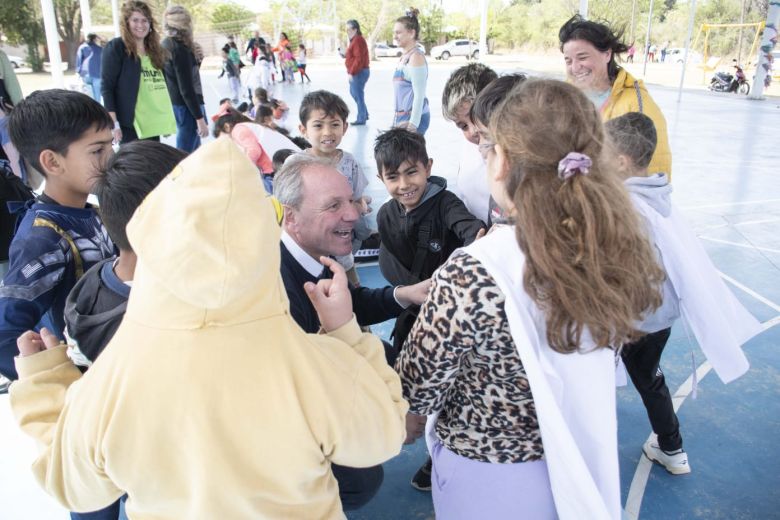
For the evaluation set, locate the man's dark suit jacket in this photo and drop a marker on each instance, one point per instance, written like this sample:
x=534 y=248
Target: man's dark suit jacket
x=369 y=305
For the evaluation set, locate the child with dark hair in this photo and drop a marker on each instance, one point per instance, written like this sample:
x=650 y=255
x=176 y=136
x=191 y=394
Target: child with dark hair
x=97 y=303
x=479 y=113
x=66 y=136
x=233 y=74
x=418 y=229
x=692 y=288
x=258 y=142
x=259 y=97
x=280 y=156
x=323 y=117
x=301 y=60
x=423 y=223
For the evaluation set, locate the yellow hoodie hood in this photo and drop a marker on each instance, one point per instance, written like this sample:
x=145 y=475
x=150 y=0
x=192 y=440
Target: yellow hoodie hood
x=202 y=261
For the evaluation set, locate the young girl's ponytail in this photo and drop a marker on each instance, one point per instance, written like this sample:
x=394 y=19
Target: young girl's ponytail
x=589 y=265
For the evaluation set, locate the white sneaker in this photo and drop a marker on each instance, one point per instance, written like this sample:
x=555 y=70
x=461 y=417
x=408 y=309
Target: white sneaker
x=675 y=463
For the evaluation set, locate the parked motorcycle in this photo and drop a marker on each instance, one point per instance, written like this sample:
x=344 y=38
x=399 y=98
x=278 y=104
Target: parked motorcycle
x=726 y=82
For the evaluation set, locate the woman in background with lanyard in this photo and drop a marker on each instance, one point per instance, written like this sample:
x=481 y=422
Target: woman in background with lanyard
x=410 y=77
x=134 y=89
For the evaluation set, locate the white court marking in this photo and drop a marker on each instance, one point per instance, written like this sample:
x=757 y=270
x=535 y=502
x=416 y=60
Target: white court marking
x=636 y=491
x=737 y=244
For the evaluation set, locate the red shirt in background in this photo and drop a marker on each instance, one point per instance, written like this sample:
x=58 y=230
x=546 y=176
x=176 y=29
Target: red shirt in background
x=357 y=55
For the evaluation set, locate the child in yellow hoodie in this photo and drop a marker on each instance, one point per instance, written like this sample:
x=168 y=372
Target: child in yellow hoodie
x=208 y=304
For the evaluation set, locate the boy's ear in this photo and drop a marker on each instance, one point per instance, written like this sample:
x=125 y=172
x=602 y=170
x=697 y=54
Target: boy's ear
x=51 y=162
x=346 y=125
x=302 y=129
x=428 y=167
x=622 y=162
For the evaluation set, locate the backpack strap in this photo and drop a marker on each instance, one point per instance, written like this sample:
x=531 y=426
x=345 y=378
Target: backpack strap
x=42 y=222
x=639 y=96
x=423 y=238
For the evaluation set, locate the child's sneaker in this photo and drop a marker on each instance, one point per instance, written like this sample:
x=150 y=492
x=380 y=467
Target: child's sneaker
x=5 y=383
x=422 y=479
x=675 y=462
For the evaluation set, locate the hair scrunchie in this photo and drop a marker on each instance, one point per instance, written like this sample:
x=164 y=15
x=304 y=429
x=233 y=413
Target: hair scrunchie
x=573 y=164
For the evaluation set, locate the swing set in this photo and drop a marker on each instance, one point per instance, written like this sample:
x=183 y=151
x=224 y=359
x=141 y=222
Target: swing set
x=710 y=63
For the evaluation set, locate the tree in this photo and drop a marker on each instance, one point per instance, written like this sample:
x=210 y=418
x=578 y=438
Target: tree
x=21 y=24
x=229 y=18
x=68 y=16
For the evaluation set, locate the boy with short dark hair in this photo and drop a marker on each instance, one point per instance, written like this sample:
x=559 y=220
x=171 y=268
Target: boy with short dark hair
x=323 y=117
x=423 y=224
x=418 y=229
x=67 y=137
x=96 y=305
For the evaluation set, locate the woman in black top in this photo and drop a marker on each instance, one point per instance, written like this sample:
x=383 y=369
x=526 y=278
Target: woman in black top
x=182 y=74
x=124 y=58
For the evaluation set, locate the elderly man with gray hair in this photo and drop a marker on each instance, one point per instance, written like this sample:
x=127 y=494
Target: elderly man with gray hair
x=319 y=215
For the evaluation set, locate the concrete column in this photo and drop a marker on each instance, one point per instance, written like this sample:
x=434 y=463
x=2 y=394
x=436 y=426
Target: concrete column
x=763 y=66
x=53 y=43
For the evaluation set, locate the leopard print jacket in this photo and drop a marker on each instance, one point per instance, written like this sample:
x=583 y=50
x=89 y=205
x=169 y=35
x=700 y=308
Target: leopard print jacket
x=460 y=360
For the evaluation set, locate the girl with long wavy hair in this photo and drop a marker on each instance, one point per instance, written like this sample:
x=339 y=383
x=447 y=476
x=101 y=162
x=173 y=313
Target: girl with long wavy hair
x=134 y=88
x=512 y=353
x=182 y=74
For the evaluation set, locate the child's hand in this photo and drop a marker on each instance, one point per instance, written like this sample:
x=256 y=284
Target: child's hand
x=415 y=427
x=413 y=294
x=31 y=342
x=363 y=205
x=331 y=298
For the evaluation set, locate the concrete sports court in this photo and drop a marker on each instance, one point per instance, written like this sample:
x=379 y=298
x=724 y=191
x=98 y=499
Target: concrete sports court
x=727 y=180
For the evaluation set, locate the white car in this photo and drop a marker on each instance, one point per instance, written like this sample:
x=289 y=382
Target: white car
x=383 y=50
x=676 y=55
x=467 y=48
x=16 y=61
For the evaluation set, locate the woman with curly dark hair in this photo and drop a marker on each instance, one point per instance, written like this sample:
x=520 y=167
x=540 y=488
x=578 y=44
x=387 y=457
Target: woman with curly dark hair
x=590 y=50
x=134 y=89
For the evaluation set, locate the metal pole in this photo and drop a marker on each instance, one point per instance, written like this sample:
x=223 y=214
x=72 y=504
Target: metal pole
x=483 y=30
x=86 y=17
x=687 y=47
x=584 y=8
x=115 y=17
x=53 y=43
x=741 y=21
x=633 y=19
x=647 y=38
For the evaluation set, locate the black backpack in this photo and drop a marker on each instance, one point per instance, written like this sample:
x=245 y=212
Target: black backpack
x=12 y=190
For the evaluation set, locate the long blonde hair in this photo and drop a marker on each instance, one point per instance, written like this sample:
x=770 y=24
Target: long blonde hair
x=177 y=24
x=589 y=264
x=152 y=45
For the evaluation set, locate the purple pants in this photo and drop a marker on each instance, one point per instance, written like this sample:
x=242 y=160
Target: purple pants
x=468 y=489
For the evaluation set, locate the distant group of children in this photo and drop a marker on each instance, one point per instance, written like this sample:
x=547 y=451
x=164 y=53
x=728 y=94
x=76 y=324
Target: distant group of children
x=587 y=265
x=262 y=72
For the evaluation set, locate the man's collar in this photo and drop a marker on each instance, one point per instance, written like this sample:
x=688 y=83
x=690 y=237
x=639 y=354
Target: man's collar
x=312 y=266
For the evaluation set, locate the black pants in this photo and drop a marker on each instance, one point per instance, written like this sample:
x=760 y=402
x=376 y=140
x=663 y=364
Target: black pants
x=357 y=486
x=642 y=360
